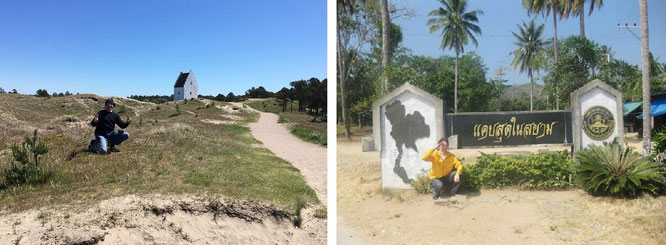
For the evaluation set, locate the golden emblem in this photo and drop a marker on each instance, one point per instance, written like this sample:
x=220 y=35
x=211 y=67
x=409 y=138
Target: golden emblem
x=598 y=123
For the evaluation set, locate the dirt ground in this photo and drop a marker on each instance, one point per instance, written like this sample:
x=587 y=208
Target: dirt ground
x=369 y=215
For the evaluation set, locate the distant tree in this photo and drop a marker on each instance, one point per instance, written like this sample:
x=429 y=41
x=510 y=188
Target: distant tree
x=529 y=44
x=42 y=93
x=259 y=92
x=220 y=97
x=300 y=93
x=292 y=98
x=283 y=97
x=231 y=97
x=14 y=91
x=67 y=93
x=2 y=91
x=579 y=62
x=457 y=28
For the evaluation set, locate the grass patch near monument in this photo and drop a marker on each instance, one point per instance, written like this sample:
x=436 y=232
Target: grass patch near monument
x=302 y=125
x=184 y=154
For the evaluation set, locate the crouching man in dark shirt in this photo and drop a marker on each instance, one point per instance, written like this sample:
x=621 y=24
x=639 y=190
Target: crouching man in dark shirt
x=105 y=122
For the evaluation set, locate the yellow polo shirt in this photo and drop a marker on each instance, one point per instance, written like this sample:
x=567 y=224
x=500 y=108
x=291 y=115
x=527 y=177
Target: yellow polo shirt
x=441 y=167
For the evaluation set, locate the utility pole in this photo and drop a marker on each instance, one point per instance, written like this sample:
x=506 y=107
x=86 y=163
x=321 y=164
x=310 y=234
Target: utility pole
x=628 y=27
x=645 y=50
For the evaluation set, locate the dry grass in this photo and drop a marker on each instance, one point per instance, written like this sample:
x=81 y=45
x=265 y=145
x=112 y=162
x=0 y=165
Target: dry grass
x=165 y=154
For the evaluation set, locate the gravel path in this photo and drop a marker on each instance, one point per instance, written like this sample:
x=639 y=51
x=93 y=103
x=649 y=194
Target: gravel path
x=307 y=157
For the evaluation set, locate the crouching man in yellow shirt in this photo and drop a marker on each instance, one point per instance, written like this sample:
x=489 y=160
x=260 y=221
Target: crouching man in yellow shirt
x=442 y=172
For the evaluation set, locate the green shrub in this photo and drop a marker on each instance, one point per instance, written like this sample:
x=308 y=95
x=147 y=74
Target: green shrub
x=24 y=171
x=659 y=144
x=618 y=171
x=546 y=170
x=422 y=183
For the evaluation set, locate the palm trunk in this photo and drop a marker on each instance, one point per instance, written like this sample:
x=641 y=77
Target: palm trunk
x=455 y=88
x=555 y=51
x=582 y=20
x=341 y=76
x=529 y=72
x=386 y=29
x=647 y=115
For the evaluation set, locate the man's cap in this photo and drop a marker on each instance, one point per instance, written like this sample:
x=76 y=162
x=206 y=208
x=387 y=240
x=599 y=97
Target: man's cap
x=110 y=101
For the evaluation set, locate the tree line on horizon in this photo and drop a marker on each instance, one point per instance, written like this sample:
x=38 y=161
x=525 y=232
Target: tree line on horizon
x=311 y=95
x=562 y=65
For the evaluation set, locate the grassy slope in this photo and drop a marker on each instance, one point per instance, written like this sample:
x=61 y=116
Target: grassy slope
x=165 y=154
x=300 y=123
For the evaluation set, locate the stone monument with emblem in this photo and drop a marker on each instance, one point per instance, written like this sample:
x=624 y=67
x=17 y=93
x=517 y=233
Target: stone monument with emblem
x=596 y=115
x=405 y=123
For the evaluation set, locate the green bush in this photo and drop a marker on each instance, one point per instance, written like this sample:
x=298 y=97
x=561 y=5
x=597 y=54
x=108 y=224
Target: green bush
x=422 y=183
x=618 y=171
x=659 y=145
x=544 y=171
x=24 y=171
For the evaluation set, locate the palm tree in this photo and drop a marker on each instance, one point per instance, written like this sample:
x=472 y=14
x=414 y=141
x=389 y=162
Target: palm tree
x=458 y=29
x=529 y=44
x=386 y=29
x=577 y=8
x=546 y=7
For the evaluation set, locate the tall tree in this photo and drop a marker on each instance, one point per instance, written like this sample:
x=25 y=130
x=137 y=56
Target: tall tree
x=457 y=28
x=352 y=36
x=645 y=63
x=386 y=32
x=546 y=7
x=529 y=43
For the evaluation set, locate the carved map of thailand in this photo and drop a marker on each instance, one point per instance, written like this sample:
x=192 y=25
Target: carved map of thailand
x=405 y=130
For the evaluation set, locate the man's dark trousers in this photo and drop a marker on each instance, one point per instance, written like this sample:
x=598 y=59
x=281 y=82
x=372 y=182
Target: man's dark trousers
x=438 y=184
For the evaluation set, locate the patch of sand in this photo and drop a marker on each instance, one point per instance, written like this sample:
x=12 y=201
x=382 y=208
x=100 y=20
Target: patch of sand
x=226 y=122
x=160 y=219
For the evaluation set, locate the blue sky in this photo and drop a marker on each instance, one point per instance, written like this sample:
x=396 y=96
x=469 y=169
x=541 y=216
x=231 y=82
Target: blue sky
x=122 y=48
x=501 y=17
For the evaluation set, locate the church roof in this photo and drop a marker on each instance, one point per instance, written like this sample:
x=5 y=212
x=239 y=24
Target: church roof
x=180 y=82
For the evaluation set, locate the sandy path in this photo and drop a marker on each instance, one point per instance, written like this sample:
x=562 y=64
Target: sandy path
x=309 y=158
x=507 y=216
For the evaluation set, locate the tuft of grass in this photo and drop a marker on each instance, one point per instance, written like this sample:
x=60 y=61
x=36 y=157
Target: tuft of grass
x=309 y=135
x=283 y=119
x=298 y=220
x=320 y=213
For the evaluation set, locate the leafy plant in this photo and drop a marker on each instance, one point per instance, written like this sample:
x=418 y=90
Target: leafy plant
x=547 y=170
x=27 y=170
x=616 y=170
x=659 y=144
x=421 y=183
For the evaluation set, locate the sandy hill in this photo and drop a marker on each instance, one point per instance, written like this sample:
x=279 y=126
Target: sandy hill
x=189 y=173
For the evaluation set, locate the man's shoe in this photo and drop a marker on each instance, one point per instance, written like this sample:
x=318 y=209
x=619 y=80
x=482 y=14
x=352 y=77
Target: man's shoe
x=113 y=149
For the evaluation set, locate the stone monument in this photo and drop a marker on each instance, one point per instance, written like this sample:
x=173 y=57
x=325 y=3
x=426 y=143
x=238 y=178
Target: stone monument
x=405 y=123
x=596 y=115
